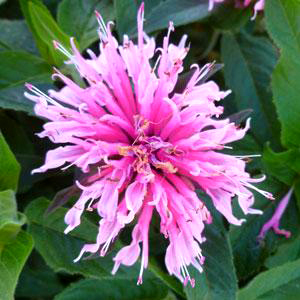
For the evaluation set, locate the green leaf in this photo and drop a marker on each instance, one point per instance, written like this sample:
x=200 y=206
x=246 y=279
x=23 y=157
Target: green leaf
x=114 y=289
x=12 y=260
x=14 y=35
x=126 y=14
x=249 y=62
x=282 y=19
x=286 y=252
x=158 y=14
x=17 y=68
x=9 y=167
x=10 y=220
x=45 y=30
x=279 y=164
x=286 y=87
x=278 y=283
x=218 y=280
x=59 y=249
x=80 y=21
x=19 y=130
x=52 y=243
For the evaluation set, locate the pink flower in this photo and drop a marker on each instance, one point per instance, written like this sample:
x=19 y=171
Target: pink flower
x=258 y=6
x=273 y=223
x=144 y=148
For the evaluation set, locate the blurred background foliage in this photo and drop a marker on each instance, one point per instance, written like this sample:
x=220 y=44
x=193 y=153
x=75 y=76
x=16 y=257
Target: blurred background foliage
x=261 y=67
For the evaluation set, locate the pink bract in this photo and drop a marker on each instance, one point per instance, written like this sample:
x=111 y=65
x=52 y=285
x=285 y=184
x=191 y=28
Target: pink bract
x=273 y=223
x=144 y=148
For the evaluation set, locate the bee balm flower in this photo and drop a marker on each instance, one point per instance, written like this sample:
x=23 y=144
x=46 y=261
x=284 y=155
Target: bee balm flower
x=144 y=148
x=258 y=6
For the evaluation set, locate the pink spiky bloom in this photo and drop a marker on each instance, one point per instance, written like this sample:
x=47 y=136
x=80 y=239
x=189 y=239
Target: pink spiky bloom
x=144 y=147
x=273 y=223
x=258 y=6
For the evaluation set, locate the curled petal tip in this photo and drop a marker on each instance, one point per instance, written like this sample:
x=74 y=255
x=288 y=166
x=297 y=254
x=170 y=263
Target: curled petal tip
x=67 y=230
x=186 y=280
x=142 y=7
x=55 y=44
x=284 y=232
x=97 y=14
x=140 y=281
x=29 y=86
x=192 y=281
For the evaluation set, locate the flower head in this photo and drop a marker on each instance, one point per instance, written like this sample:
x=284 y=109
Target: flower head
x=144 y=148
x=258 y=6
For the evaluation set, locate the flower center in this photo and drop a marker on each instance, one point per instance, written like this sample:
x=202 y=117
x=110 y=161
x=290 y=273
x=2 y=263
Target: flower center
x=148 y=152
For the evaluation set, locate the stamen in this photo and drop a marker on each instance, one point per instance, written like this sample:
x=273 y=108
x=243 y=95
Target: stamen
x=62 y=49
x=156 y=64
x=264 y=193
x=140 y=278
x=107 y=243
x=89 y=207
x=102 y=27
x=39 y=93
x=246 y=156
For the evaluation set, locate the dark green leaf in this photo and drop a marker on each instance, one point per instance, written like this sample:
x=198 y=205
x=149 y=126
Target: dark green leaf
x=14 y=35
x=62 y=197
x=80 y=21
x=278 y=283
x=16 y=69
x=9 y=167
x=158 y=14
x=240 y=116
x=59 y=250
x=19 y=130
x=126 y=12
x=50 y=241
x=37 y=280
x=234 y=20
x=283 y=19
x=249 y=62
x=12 y=260
x=114 y=289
